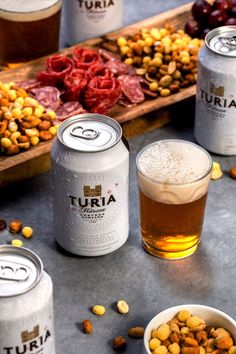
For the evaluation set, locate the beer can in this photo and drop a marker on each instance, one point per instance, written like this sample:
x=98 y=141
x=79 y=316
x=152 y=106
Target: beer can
x=215 y=123
x=26 y=305
x=84 y=19
x=90 y=164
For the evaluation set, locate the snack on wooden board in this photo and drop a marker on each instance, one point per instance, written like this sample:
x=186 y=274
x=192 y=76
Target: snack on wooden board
x=23 y=120
x=165 y=59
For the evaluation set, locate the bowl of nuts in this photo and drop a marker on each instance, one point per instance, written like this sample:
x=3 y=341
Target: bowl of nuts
x=190 y=329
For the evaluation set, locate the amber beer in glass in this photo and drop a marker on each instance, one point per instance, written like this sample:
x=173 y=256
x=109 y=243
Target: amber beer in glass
x=29 y=29
x=173 y=179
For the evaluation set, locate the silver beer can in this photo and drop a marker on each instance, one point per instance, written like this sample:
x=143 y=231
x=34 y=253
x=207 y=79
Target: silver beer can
x=90 y=164
x=84 y=19
x=26 y=305
x=215 y=116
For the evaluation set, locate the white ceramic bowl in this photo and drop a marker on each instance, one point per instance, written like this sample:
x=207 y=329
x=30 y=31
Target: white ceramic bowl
x=211 y=315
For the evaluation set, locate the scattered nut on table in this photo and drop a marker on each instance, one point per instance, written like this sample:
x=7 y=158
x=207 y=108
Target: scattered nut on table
x=16 y=243
x=3 y=224
x=216 y=171
x=136 y=332
x=119 y=343
x=88 y=327
x=15 y=226
x=122 y=307
x=27 y=231
x=232 y=172
x=99 y=310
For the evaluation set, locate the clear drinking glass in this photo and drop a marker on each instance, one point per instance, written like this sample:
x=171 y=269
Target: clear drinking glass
x=173 y=178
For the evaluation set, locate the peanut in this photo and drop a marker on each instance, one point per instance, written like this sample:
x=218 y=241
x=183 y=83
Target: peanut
x=216 y=171
x=122 y=307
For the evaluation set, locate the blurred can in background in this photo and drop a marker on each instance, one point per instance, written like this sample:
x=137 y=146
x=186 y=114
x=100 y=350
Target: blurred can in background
x=26 y=303
x=215 y=123
x=84 y=19
x=90 y=164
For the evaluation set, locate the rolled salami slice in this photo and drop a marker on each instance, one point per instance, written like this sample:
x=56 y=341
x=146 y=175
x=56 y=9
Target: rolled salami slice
x=75 y=82
x=102 y=94
x=57 y=67
x=84 y=57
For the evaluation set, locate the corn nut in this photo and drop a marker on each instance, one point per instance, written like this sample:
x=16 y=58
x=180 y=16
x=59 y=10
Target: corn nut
x=162 y=52
x=23 y=121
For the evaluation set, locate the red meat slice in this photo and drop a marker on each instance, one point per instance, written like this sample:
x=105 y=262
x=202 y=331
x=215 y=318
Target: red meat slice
x=84 y=57
x=131 y=88
x=75 y=82
x=48 y=96
x=97 y=69
x=69 y=109
x=102 y=94
x=57 y=67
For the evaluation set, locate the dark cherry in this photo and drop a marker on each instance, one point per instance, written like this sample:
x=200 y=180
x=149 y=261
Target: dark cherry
x=193 y=28
x=217 y=18
x=222 y=5
x=231 y=21
x=201 y=10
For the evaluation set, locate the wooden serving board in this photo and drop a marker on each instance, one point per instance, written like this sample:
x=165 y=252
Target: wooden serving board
x=36 y=159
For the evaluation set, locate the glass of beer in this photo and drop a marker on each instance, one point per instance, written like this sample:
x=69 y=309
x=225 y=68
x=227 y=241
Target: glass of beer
x=29 y=29
x=173 y=178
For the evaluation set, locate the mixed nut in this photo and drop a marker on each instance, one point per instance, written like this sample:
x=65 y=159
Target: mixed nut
x=23 y=121
x=165 y=58
x=189 y=334
x=15 y=227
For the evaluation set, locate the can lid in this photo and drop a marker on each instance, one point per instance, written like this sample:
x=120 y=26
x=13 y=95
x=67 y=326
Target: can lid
x=89 y=132
x=20 y=270
x=222 y=40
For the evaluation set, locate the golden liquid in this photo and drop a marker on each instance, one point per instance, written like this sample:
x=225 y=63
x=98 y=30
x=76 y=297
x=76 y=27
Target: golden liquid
x=24 y=41
x=171 y=230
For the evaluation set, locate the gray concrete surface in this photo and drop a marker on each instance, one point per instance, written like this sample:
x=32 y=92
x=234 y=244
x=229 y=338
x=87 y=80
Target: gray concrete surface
x=147 y=283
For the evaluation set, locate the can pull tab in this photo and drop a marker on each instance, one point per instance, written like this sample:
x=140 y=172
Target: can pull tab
x=87 y=134
x=13 y=271
x=229 y=42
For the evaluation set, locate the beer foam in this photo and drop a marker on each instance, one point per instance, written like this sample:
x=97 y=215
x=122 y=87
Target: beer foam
x=28 y=10
x=174 y=171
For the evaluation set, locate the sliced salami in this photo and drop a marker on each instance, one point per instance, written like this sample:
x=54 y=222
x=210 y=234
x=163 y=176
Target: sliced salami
x=75 y=82
x=106 y=55
x=117 y=67
x=57 y=67
x=48 y=96
x=29 y=84
x=101 y=94
x=84 y=57
x=131 y=88
x=97 y=69
x=69 y=109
